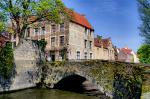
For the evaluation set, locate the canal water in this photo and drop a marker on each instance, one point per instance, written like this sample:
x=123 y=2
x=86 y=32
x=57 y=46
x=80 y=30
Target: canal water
x=45 y=94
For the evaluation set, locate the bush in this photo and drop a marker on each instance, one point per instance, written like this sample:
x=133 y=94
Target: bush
x=6 y=60
x=144 y=53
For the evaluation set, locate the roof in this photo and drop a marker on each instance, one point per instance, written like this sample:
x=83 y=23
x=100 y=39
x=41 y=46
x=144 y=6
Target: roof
x=102 y=42
x=98 y=42
x=126 y=50
x=80 y=19
x=106 y=42
x=75 y=17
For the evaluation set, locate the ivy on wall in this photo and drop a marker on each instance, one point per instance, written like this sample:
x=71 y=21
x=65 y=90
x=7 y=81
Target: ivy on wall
x=6 y=60
x=41 y=44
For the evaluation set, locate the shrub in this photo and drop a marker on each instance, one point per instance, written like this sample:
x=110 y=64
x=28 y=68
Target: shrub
x=6 y=60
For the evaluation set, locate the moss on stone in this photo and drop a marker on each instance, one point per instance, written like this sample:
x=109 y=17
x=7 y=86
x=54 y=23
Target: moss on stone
x=101 y=72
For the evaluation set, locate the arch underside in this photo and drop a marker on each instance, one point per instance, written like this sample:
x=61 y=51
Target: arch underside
x=79 y=84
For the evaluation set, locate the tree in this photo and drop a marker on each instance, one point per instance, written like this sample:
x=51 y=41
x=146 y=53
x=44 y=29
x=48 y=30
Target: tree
x=144 y=9
x=20 y=12
x=144 y=53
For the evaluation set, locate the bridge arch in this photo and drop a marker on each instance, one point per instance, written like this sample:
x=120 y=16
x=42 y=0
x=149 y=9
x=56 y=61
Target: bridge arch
x=72 y=82
x=80 y=84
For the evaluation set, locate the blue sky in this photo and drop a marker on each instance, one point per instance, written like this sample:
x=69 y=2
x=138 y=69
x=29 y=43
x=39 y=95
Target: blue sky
x=118 y=19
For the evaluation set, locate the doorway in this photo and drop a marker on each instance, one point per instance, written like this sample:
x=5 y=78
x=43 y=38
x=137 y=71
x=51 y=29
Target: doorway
x=52 y=55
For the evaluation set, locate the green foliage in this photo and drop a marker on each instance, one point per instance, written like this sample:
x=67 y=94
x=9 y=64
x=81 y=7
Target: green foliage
x=2 y=20
x=6 y=60
x=144 y=53
x=144 y=9
x=2 y=26
x=41 y=44
x=56 y=63
x=124 y=79
x=15 y=10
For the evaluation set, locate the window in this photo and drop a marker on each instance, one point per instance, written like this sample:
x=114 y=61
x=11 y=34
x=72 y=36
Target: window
x=85 y=55
x=90 y=55
x=36 y=30
x=85 y=43
x=78 y=54
x=62 y=54
x=43 y=31
x=53 y=41
x=86 y=31
x=28 y=32
x=90 y=33
x=53 y=28
x=90 y=46
x=61 y=40
x=62 y=27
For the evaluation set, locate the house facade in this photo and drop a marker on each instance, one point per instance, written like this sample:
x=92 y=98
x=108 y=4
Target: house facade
x=127 y=55
x=103 y=49
x=69 y=40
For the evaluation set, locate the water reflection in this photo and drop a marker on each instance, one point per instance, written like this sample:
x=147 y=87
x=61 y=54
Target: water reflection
x=45 y=94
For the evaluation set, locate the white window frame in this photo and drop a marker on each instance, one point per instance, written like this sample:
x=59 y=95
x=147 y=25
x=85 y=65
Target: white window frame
x=53 y=43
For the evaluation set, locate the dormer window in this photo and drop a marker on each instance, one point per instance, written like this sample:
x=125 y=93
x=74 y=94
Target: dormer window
x=86 y=31
x=91 y=33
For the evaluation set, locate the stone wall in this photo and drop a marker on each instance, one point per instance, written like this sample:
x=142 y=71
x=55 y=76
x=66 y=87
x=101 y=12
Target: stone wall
x=77 y=37
x=25 y=72
x=118 y=79
x=104 y=54
x=111 y=78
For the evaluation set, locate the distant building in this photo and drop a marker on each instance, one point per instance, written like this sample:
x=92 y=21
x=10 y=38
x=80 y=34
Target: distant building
x=127 y=55
x=103 y=49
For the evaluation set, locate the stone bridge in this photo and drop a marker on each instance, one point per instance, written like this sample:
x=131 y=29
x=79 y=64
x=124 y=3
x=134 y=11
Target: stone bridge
x=97 y=77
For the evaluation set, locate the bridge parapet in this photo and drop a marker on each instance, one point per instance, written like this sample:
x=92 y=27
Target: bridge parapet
x=114 y=79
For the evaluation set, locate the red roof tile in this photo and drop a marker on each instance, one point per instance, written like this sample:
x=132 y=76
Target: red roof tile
x=126 y=51
x=75 y=17
x=79 y=19
x=98 y=42
x=102 y=42
x=106 y=42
